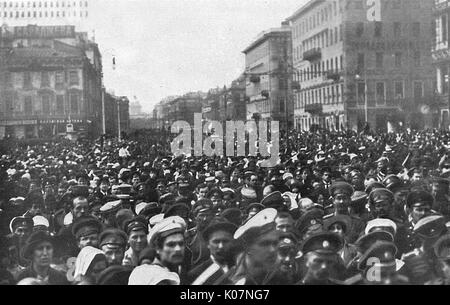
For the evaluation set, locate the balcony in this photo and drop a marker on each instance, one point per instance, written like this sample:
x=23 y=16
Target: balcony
x=313 y=54
x=441 y=5
x=314 y=108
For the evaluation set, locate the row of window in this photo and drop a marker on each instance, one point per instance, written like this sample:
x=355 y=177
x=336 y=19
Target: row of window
x=320 y=69
x=45 y=79
x=400 y=60
x=335 y=94
x=379 y=29
x=44 y=105
x=321 y=40
x=35 y=4
x=45 y=14
x=316 y=19
x=326 y=96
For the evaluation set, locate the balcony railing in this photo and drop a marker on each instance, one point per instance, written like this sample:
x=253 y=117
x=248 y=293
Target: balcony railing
x=313 y=54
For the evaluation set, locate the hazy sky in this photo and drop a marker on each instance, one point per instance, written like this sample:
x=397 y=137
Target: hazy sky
x=170 y=47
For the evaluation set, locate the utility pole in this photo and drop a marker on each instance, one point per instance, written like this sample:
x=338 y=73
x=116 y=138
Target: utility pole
x=118 y=119
x=103 y=111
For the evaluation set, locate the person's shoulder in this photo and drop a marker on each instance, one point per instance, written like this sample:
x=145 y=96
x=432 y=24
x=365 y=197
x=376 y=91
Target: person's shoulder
x=58 y=277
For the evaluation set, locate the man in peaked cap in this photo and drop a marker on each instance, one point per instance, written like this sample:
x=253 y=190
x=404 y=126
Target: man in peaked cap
x=341 y=194
x=112 y=243
x=169 y=243
x=218 y=236
x=384 y=253
x=108 y=212
x=310 y=223
x=274 y=200
x=257 y=259
x=137 y=230
x=419 y=262
x=86 y=230
x=321 y=260
x=418 y=205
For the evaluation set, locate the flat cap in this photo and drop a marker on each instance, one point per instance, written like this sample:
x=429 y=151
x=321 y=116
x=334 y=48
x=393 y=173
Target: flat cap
x=168 y=226
x=248 y=193
x=419 y=198
x=273 y=200
x=323 y=243
x=86 y=225
x=381 y=195
x=312 y=218
x=113 y=237
x=341 y=187
x=381 y=224
x=138 y=223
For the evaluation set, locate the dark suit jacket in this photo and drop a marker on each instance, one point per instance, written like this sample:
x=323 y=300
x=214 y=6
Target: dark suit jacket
x=54 y=277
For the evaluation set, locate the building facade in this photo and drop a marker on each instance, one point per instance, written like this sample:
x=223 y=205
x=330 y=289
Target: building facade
x=357 y=61
x=46 y=12
x=441 y=60
x=268 y=62
x=116 y=110
x=52 y=78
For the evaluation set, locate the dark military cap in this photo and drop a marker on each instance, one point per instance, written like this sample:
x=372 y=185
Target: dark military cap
x=113 y=237
x=273 y=200
x=33 y=241
x=442 y=247
x=323 y=243
x=341 y=188
x=233 y=215
x=136 y=224
x=344 y=220
x=381 y=195
x=392 y=182
x=419 y=198
x=288 y=240
x=312 y=218
x=374 y=185
x=218 y=224
x=430 y=226
x=86 y=225
x=366 y=241
x=177 y=209
x=80 y=190
x=384 y=251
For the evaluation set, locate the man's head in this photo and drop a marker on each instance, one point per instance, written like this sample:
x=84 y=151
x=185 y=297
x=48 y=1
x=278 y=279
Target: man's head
x=202 y=191
x=381 y=202
x=137 y=230
x=321 y=258
x=80 y=207
x=86 y=230
x=219 y=238
x=171 y=249
x=112 y=243
x=419 y=204
x=341 y=192
x=284 y=222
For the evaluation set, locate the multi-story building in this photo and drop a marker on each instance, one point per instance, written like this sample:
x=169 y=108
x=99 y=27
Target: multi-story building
x=268 y=61
x=441 y=60
x=360 y=61
x=52 y=77
x=47 y=12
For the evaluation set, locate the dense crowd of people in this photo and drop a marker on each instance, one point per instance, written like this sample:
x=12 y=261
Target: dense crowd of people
x=339 y=208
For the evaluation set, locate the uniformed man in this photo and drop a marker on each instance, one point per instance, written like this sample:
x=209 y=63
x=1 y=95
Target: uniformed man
x=257 y=258
x=108 y=213
x=440 y=188
x=20 y=228
x=419 y=263
x=288 y=252
x=219 y=237
x=168 y=240
x=321 y=259
x=113 y=243
x=380 y=266
x=341 y=193
x=419 y=204
x=86 y=230
x=137 y=230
